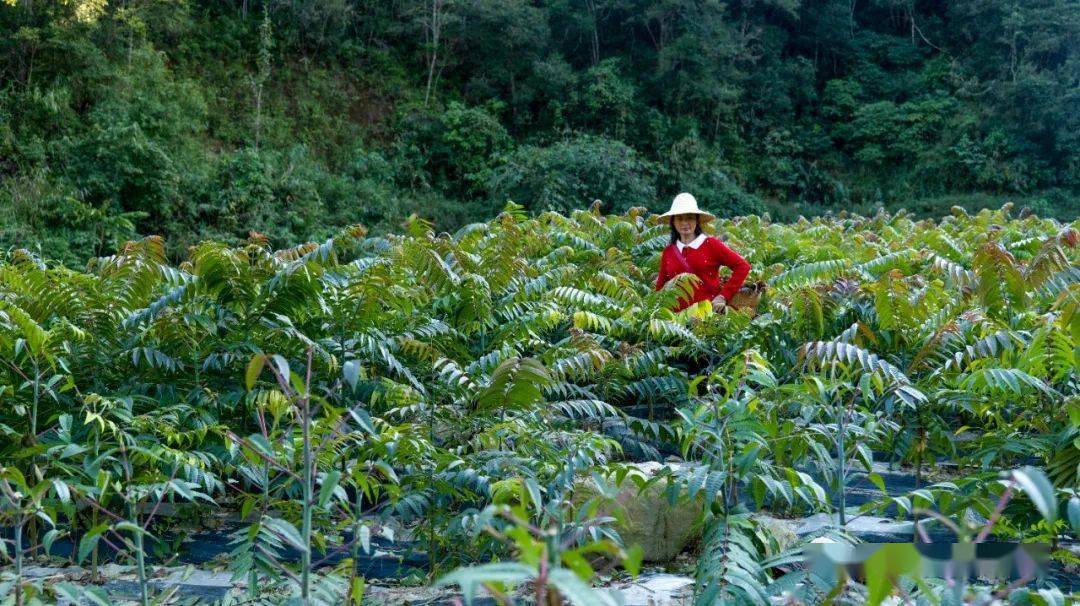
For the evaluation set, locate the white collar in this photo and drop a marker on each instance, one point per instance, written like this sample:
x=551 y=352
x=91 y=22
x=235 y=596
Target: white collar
x=696 y=242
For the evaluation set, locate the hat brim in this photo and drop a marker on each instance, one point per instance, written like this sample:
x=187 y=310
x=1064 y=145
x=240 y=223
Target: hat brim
x=703 y=216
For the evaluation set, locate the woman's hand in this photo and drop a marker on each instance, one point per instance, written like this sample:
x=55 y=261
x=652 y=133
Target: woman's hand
x=719 y=303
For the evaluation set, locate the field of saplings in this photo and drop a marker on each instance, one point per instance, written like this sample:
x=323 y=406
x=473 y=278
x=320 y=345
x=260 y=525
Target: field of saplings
x=475 y=413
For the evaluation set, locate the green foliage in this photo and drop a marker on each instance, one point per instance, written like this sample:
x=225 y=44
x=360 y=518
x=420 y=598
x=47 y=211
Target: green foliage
x=197 y=119
x=351 y=385
x=459 y=371
x=459 y=149
x=572 y=173
x=607 y=101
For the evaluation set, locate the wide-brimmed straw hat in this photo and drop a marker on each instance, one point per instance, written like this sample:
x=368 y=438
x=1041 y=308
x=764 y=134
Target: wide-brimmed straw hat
x=685 y=204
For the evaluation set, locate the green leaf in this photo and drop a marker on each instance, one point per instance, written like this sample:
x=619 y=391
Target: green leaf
x=1074 y=410
x=329 y=483
x=297 y=383
x=286 y=531
x=1074 y=513
x=248 y=505
x=365 y=538
x=577 y=562
x=254 y=369
x=885 y=567
x=632 y=561
x=89 y=540
x=1050 y=597
x=81 y=595
x=363 y=419
x=759 y=490
x=865 y=456
x=260 y=444
x=866 y=388
x=533 y=489
x=753 y=588
x=356 y=590
x=130 y=527
x=877 y=480
x=351 y=372
x=62 y=491
x=50 y=538
x=282 y=366
x=16 y=477
x=577 y=591
x=512 y=573
x=1039 y=489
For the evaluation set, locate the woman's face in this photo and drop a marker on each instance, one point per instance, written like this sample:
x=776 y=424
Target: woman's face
x=686 y=225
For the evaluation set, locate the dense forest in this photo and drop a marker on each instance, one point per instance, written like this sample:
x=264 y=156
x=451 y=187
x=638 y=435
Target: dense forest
x=199 y=119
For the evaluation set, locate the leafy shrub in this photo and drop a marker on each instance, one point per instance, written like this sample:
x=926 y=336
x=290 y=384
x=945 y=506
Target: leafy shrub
x=572 y=173
x=606 y=100
x=48 y=212
x=459 y=148
x=716 y=191
x=265 y=192
x=122 y=169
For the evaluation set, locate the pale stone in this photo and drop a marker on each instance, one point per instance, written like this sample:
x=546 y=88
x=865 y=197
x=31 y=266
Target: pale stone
x=782 y=532
x=647 y=519
x=658 y=590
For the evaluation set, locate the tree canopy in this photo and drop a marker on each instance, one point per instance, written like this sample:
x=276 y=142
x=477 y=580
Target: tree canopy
x=196 y=119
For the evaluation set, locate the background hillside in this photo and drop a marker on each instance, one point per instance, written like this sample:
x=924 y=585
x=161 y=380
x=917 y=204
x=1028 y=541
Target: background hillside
x=209 y=119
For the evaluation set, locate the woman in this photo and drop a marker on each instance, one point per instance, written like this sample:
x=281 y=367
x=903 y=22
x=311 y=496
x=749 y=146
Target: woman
x=691 y=251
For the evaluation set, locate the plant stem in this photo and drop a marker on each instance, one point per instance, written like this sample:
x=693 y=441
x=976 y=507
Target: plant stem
x=431 y=481
x=541 y=581
x=253 y=577
x=356 y=538
x=34 y=405
x=431 y=548
x=1000 y=507
x=892 y=449
x=841 y=471
x=140 y=552
x=93 y=552
x=19 y=560
x=918 y=480
x=305 y=578
x=140 y=558
x=919 y=447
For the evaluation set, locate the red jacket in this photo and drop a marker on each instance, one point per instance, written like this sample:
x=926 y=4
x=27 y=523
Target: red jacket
x=705 y=262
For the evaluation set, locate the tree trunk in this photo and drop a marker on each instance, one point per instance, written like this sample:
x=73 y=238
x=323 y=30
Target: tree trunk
x=851 y=19
x=595 y=40
x=434 y=31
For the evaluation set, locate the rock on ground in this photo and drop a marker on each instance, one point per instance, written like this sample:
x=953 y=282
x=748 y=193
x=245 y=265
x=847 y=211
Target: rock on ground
x=657 y=590
x=873 y=529
x=121 y=585
x=782 y=533
x=648 y=519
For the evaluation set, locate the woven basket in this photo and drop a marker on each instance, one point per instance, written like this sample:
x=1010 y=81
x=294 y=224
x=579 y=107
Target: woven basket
x=748 y=297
